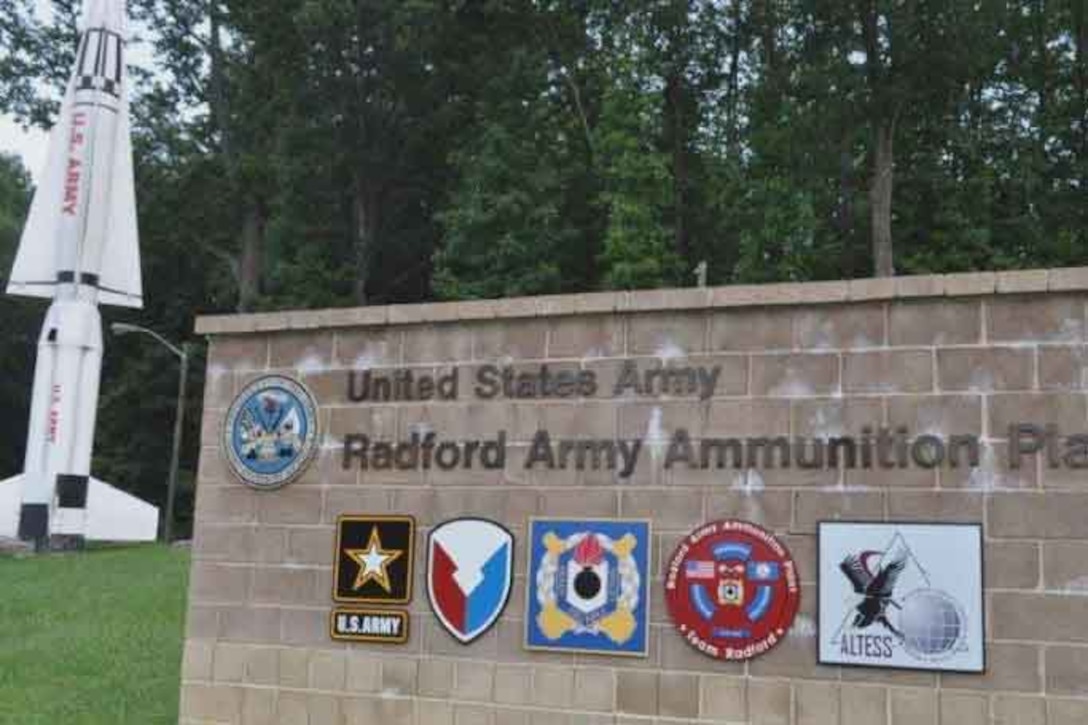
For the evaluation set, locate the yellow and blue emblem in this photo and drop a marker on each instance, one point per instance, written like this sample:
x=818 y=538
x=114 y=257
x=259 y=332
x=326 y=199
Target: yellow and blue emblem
x=589 y=586
x=270 y=434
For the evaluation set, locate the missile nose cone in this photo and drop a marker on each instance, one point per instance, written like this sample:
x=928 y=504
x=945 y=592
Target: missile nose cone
x=104 y=14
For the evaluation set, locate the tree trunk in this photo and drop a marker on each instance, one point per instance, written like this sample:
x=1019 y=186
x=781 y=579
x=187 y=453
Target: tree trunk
x=676 y=128
x=252 y=253
x=880 y=198
x=367 y=213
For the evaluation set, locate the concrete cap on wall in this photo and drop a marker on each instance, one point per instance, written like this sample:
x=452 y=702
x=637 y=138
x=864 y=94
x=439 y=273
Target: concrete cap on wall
x=1069 y=279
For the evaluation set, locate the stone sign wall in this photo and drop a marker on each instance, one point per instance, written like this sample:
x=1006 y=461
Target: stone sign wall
x=599 y=406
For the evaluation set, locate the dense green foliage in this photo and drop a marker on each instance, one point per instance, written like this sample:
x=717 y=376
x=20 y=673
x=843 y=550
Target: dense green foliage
x=92 y=639
x=335 y=152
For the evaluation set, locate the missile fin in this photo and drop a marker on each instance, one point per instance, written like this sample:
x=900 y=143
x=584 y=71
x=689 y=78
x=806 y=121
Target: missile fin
x=121 y=282
x=35 y=271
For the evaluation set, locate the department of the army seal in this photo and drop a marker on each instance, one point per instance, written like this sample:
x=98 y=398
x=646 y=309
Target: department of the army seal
x=270 y=433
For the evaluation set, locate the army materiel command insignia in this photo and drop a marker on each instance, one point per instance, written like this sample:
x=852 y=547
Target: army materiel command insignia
x=374 y=557
x=270 y=434
x=588 y=588
x=470 y=572
x=369 y=625
x=732 y=590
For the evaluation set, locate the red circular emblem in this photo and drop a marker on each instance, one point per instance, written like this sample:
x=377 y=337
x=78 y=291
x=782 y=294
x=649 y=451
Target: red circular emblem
x=732 y=590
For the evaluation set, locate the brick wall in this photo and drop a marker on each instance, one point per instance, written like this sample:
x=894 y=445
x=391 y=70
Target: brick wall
x=949 y=354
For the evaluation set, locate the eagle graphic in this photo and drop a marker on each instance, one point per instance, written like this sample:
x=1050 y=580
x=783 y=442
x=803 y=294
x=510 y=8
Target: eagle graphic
x=876 y=588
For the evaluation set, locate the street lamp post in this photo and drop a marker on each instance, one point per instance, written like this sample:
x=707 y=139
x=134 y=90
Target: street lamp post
x=182 y=353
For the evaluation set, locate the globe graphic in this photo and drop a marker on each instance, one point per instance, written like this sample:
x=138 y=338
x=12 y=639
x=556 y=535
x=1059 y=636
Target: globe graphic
x=931 y=623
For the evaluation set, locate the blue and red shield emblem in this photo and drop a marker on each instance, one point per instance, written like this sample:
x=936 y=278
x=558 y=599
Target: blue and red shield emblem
x=470 y=571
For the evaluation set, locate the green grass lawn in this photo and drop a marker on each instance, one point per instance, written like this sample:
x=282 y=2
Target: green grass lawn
x=92 y=638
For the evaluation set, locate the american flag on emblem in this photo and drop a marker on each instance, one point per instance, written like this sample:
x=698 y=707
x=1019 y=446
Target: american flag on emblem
x=700 y=570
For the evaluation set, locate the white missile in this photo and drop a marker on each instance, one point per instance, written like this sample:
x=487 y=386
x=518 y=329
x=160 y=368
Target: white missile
x=80 y=248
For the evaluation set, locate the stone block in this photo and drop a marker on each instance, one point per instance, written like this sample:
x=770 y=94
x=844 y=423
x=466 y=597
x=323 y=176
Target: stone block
x=1012 y=565
x=472 y=715
x=898 y=371
x=437 y=344
x=1037 y=318
x=310 y=546
x=400 y=676
x=196 y=663
x=263 y=666
x=669 y=510
x=287 y=586
x=1068 y=278
x=1032 y=515
x=817 y=703
x=230 y=663
x=958 y=708
x=751 y=330
x=941 y=415
x=1039 y=617
x=970 y=283
x=1067 y=712
x=586 y=337
x=910 y=707
x=594 y=689
x=919 y=285
x=1061 y=409
x=1065 y=566
x=214 y=703
x=552 y=685
x=836 y=327
x=229 y=504
x=810 y=507
x=231 y=543
x=580 y=502
x=366 y=348
x=668 y=335
x=1018 y=710
x=1010 y=667
x=245 y=623
x=636 y=692
x=238 y=353
x=832 y=417
x=985 y=368
x=926 y=323
x=378 y=422
x=871 y=288
x=935 y=506
x=863 y=705
x=769 y=702
x=747 y=418
x=723 y=699
x=514 y=684
x=1063 y=367
x=678 y=695
x=328 y=670
x=473 y=681
x=292 y=708
x=1067 y=670
x=293 y=506
x=304 y=627
x=794 y=375
x=770 y=509
x=363 y=673
x=258 y=706
x=212 y=583
x=301 y=351
x=508 y=341
x=294 y=668
x=1022 y=280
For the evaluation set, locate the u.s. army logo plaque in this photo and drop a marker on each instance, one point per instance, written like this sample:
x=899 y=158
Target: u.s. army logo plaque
x=374 y=557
